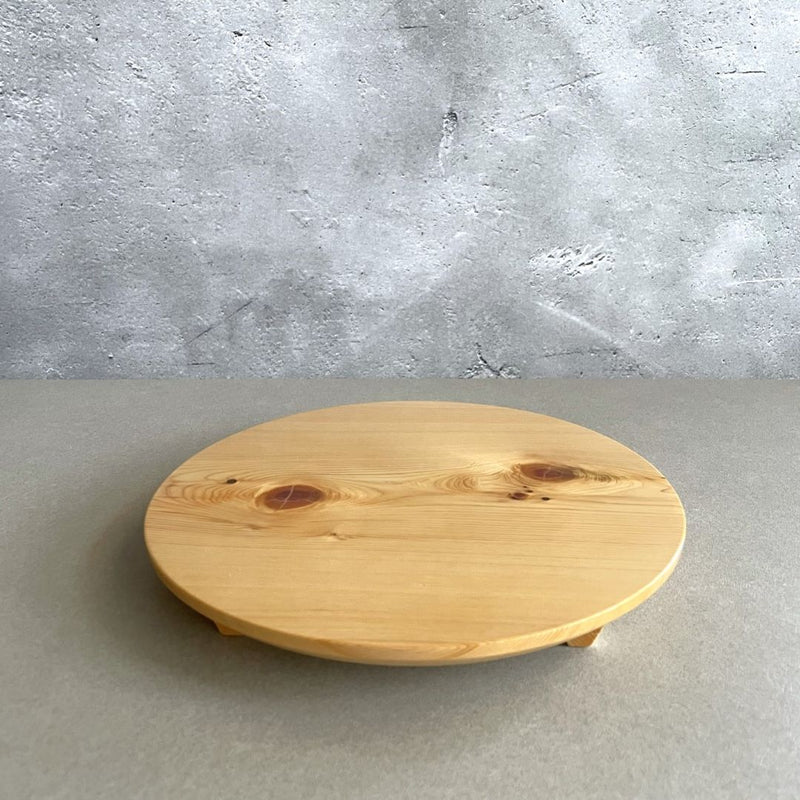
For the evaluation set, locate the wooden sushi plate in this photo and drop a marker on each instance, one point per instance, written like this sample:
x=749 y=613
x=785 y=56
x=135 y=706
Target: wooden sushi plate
x=415 y=533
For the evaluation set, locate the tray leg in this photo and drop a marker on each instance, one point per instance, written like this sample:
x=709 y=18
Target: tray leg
x=585 y=640
x=226 y=631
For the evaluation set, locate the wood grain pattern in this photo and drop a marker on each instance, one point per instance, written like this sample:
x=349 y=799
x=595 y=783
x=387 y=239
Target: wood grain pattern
x=415 y=532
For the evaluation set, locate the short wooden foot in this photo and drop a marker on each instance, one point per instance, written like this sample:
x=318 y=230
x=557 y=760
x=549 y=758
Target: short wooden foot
x=585 y=640
x=226 y=631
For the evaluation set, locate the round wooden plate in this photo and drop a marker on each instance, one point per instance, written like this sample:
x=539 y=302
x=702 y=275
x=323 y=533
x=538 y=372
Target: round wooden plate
x=415 y=532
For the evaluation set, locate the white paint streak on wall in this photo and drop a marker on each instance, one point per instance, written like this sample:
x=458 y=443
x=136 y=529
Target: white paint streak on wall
x=574 y=318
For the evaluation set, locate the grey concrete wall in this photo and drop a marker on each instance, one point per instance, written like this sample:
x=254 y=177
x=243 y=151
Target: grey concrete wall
x=458 y=188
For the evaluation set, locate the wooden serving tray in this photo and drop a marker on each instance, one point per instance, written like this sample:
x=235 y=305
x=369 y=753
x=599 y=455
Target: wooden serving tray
x=415 y=532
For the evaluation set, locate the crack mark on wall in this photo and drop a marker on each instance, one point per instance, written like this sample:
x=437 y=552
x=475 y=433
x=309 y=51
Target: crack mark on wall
x=580 y=351
x=579 y=79
x=754 y=159
x=482 y=368
x=223 y=320
x=533 y=115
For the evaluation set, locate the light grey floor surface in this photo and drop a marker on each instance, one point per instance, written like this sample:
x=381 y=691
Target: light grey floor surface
x=113 y=688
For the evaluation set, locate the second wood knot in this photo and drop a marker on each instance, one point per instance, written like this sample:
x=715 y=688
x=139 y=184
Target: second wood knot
x=555 y=473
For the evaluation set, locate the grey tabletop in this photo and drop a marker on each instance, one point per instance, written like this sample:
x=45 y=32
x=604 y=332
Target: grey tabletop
x=111 y=687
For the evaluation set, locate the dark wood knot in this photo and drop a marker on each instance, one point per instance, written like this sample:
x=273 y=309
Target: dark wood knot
x=548 y=472
x=295 y=495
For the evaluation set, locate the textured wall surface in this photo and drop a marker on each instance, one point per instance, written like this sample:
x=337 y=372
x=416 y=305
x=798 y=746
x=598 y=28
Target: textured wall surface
x=458 y=188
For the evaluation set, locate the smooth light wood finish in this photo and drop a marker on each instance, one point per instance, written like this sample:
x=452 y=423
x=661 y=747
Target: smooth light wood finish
x=415 y=532
x=587 y=640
